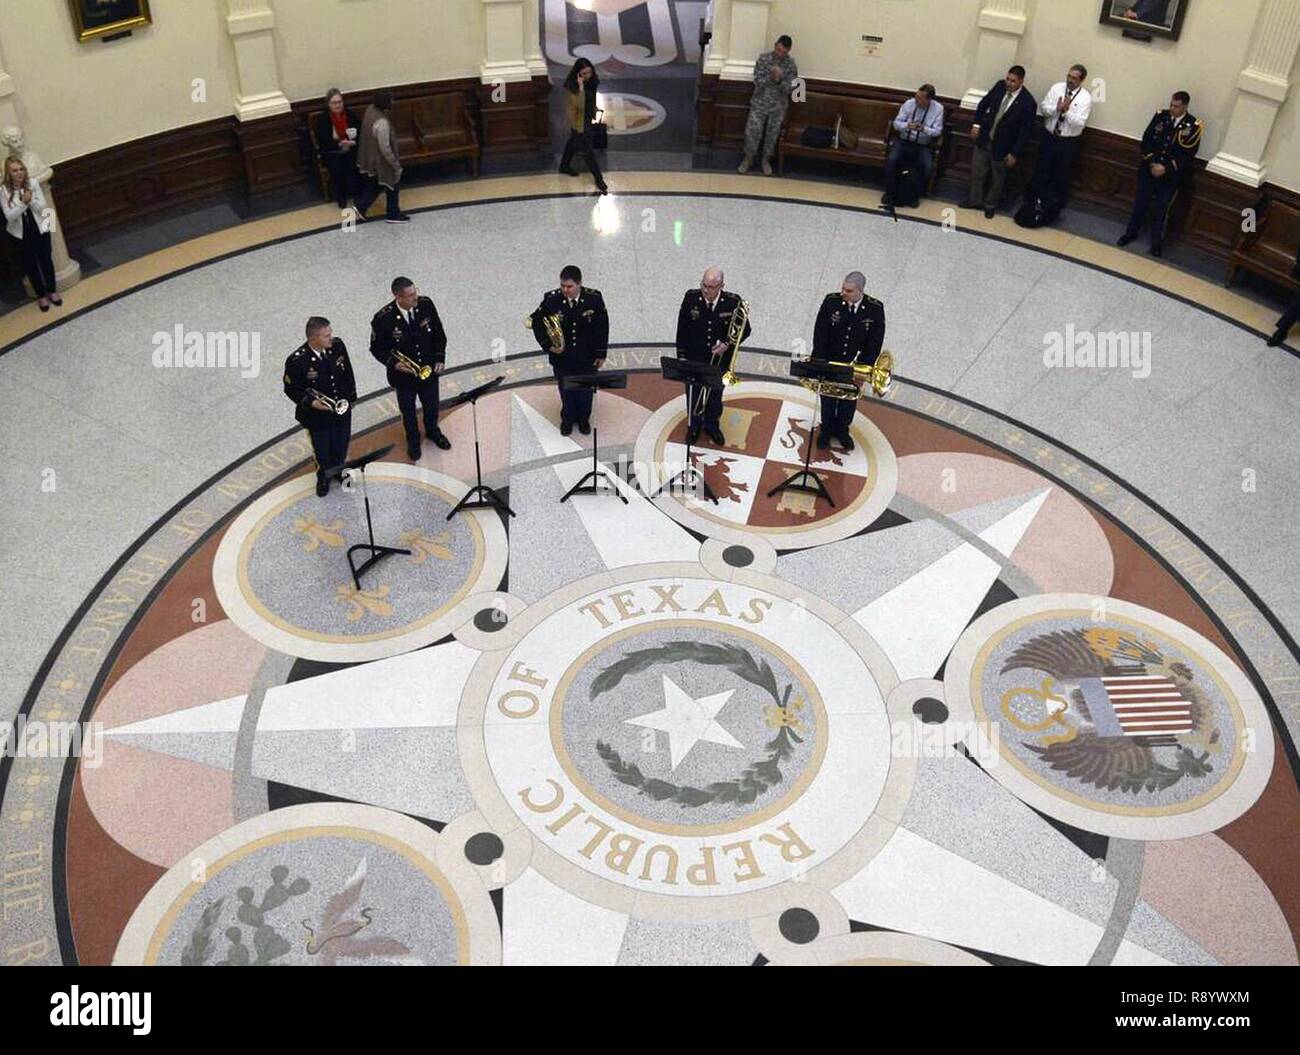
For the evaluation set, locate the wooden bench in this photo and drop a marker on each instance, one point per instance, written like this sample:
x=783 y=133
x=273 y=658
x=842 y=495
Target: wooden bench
x=1270 y=250
x=429 y=128
x=870 y=118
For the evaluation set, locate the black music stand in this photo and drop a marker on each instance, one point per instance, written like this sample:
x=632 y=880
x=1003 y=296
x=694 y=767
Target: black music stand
x=806 y=479
x=594 y=383
x=689 y=374
x=377 y=553
x=480 y=496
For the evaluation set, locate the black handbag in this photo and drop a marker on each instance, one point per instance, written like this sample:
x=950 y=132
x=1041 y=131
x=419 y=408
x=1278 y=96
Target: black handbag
x=599 y=133
x=820 y=138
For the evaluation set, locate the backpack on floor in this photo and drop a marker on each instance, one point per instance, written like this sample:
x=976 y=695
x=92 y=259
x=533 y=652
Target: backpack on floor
x=910 y=187
x=1032 y=214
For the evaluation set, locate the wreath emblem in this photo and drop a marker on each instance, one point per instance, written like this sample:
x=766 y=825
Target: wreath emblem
x=757 y=778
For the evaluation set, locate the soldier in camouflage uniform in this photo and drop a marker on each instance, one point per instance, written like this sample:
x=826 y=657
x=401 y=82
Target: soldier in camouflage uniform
x=774 y=77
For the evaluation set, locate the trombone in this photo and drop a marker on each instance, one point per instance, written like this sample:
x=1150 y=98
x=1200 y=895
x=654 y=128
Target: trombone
x=726 y=360
x=422 y=371
x=338 y=406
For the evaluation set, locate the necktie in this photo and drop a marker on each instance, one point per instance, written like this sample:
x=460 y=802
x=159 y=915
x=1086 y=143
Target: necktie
x=1006 y=102
x=1060 y=117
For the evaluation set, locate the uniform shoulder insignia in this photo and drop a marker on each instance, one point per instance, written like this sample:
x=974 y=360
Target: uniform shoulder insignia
x=832 y=295
x=872 y=300
x=593 y=291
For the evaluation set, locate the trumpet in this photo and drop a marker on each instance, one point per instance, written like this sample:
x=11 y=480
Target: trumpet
x=423 y=372
x=554 y=327
x=727 y=359
x=876 y=378
x=338 y=406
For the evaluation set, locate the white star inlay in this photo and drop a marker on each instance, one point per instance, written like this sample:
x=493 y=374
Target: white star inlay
x=687 y=721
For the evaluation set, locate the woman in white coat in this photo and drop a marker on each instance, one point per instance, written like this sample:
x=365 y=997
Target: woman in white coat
x=27 y=221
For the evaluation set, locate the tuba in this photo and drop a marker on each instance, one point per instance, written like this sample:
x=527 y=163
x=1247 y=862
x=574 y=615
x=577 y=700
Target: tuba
x=727 y=359
x=422 y=370
x=554 y=327
x=338 y=406
x=875 y=378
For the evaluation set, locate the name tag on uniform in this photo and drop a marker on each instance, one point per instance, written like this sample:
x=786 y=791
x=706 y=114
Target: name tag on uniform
x=589 y=313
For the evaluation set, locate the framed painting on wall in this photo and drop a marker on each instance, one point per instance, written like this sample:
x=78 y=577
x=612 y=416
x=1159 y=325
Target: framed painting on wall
x=1145 y=18
x=100 y=18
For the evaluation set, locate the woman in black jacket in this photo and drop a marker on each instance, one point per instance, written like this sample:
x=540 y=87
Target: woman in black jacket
x=580 y=104
x=336 y=139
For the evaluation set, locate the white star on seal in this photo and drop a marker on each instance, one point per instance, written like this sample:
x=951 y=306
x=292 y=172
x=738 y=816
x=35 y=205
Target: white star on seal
x=687 y=721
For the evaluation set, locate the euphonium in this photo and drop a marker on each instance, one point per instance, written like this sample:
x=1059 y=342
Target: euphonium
x=423 y=372
x=554 y=327
x=875 y=378
x=338 y=406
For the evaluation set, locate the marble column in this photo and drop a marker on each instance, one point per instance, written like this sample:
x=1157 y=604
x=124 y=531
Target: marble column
x=533 y=57
x=1001 y=25
x=1261 y=89
x=504 y=32
x=250 y=24
x=8 y=111
x=747 y=36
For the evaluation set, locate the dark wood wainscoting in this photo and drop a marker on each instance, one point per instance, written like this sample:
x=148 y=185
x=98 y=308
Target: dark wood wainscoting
x=119 y=185
x=1209 y=213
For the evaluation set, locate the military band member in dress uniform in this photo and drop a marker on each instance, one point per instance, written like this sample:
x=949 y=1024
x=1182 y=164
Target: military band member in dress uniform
x=1168 y=147
x=408 y=326
x=317 y=373
x=702 y=323
x=585 y=326
x=850 y=328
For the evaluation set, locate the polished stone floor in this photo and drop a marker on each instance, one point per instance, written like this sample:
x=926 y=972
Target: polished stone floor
x=991 y=485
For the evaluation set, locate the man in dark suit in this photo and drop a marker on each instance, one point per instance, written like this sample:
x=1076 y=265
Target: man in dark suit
x=1169 y=146
x=318 y=379
x=578 y=345
x=406 y=335
x=850 y=328
x=1003 y=121
x=702 y=324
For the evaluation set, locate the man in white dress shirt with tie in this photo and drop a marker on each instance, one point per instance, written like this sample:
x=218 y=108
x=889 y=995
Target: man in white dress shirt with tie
x=1065 y=111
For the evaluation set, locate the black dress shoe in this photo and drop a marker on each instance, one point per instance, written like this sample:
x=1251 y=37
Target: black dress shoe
x=990 y=213
x=565 y=427
x=846 y=440
x=322 y=487
x=823 y=439
x=886 y=202
x=1278 y=337
x=602 y=188
x=401 y=217
x=692 y=434
x=413 y=451
x=439 y=440
x=1125 y=238
x=1157 y=249
x=584 y=427
x=715 y=434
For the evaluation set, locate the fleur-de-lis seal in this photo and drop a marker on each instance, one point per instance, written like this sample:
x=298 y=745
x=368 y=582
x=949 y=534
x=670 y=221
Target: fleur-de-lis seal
x=425 y=546
x=318 y=533
x=363 y=601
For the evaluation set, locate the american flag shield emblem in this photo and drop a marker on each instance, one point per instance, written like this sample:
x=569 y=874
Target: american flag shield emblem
x=1146 y=705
